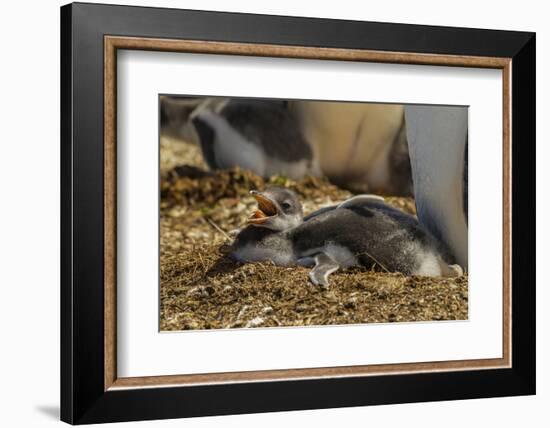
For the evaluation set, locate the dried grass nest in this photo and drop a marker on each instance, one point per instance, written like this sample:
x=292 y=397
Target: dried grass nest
x=201 y=288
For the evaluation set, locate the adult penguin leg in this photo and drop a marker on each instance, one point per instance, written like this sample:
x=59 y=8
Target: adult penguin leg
x=437 y=138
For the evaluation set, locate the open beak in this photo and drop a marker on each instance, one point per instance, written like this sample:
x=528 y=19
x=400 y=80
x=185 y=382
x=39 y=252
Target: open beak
x=266 y=209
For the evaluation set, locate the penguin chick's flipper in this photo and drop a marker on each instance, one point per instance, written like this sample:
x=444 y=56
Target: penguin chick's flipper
x=359 y=200
x=324 y=266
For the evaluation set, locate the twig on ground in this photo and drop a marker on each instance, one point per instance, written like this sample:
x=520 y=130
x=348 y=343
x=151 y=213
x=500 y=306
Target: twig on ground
x=218 y=228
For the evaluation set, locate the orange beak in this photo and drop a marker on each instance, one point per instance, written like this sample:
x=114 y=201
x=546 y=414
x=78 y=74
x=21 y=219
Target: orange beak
x=266 y=209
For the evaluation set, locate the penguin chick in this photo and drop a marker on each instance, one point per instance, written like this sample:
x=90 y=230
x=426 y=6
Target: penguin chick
x=362 y=231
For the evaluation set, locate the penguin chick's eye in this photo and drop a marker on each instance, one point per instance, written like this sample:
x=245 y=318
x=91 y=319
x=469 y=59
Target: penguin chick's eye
x=285 y=206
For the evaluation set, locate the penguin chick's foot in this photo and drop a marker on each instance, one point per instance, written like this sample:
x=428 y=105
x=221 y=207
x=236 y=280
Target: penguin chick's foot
x=457 y=270
x=324 y=266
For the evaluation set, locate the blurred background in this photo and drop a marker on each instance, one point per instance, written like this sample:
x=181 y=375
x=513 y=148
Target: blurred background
x=214 y=150
x=361 y=147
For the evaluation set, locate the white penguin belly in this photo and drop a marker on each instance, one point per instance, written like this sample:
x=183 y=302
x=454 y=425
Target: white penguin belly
x=293 y=170
x=429 y=264
x=233 y=150
x=351 y=140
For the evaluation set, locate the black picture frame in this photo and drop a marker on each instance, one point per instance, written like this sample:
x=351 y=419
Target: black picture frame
x=83 y=397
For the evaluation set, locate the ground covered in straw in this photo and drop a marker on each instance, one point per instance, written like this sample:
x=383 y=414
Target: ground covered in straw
x=201 y=288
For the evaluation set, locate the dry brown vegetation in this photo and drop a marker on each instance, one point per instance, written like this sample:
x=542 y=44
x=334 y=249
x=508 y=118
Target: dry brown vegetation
x=201 y=288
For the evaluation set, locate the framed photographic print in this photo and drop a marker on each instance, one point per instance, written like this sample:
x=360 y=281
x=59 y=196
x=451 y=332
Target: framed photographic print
x=265 y=213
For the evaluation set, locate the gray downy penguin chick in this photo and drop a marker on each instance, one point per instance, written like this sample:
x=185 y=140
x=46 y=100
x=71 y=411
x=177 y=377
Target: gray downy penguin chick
x=259 y=135
x=361 y=231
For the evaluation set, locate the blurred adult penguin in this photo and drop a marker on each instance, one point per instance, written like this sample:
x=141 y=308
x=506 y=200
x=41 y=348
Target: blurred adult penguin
x=361 y=146
x=174 y=116
x=438 y=148
x=258 y=135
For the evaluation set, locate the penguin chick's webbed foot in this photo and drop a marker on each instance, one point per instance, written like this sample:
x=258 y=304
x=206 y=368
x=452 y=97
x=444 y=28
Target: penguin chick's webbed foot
x=324 y=266
x=454 y=271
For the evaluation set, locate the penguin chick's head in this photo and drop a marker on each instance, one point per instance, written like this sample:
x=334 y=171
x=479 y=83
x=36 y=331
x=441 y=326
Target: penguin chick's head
x=278 y=209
